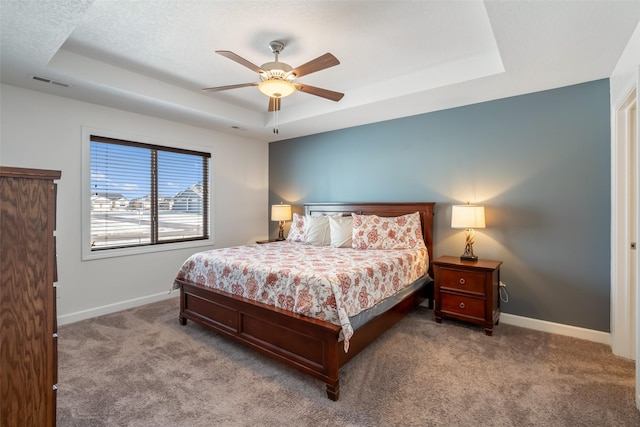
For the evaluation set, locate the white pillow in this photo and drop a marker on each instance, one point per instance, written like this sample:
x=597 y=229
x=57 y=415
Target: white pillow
x=341 y=229
x=317 y=230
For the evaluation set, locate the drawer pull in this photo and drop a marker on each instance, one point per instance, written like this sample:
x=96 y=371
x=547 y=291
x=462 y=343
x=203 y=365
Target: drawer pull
x=55 y=335
x=462 y=305
x=462 y=281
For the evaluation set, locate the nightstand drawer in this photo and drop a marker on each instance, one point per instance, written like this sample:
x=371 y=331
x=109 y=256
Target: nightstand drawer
x=462 y=305
x=462 y=280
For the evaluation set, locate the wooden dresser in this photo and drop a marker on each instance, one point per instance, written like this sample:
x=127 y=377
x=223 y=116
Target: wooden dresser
x=28 y=331
x=467 y=290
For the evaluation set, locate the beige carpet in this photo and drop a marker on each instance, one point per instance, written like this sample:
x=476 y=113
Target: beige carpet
x=141 y=368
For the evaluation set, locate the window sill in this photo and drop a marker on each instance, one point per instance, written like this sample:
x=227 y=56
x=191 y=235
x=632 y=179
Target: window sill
x=89 y=255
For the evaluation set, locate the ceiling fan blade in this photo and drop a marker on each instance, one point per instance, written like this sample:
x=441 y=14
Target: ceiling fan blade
x=219 y=88
x=320 y=63
x=324 y=93
x=240 y=60
x=274 y=104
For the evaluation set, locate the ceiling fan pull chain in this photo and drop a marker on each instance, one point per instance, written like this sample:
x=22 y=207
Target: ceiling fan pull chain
x=275 y=121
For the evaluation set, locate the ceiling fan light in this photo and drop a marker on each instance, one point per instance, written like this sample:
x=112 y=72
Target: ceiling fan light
x=276 y=88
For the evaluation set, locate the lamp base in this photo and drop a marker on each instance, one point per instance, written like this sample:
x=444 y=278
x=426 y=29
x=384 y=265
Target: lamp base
x=468 y=254
x=280 y=232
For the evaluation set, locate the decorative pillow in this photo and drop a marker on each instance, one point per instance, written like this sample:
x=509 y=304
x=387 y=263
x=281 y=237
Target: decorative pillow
x=341 y=230
x=374 y=232
x=317 y=231
x=296 y=232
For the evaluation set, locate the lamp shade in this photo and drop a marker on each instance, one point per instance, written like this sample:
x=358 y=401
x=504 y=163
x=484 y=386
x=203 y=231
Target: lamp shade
x=280 y=212
x=467 y=216
x=276 y=88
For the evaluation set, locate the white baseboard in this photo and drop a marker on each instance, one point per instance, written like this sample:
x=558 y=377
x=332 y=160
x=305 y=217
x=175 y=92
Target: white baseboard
x=556 y=328
x=112 y=308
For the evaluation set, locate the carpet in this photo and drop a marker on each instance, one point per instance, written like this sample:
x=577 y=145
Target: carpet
x=139 y=367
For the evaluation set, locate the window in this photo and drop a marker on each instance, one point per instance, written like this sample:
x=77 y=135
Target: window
x=142 y=194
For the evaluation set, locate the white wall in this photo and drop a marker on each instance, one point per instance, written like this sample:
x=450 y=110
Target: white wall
x=624 y=76
x=44 y=132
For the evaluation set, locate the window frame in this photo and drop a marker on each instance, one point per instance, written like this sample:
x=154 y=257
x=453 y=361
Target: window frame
x=87 y=253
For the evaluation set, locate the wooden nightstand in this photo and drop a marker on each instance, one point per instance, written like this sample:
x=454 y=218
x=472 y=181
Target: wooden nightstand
x=467 y=290
x=262 y=242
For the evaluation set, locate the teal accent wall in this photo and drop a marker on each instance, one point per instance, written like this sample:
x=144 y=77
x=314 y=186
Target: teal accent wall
x=539 y=163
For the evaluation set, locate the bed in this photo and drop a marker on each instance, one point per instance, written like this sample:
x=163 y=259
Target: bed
x=314 y=346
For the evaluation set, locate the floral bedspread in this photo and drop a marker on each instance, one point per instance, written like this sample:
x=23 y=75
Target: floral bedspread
x=322 y=282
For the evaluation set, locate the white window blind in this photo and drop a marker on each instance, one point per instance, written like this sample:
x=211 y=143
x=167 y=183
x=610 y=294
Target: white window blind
x=144 y=194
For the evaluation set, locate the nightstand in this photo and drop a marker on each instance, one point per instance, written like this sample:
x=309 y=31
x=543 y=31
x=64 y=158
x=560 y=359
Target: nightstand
x=262 y=242
x=467 y=290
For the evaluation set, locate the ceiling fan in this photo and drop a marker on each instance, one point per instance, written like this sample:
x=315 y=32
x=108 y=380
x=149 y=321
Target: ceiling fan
x=277 y=79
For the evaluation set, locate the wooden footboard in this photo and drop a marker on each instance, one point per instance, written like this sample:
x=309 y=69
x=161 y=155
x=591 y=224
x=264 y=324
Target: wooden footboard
x=309 y=345
x=303 y=343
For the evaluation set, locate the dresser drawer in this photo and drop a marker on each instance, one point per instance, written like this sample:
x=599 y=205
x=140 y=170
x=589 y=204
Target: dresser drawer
x=462 y=280
x=462 y=305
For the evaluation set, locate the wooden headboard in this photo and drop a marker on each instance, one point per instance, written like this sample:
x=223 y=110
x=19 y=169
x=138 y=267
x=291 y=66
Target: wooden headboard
x=424 y=209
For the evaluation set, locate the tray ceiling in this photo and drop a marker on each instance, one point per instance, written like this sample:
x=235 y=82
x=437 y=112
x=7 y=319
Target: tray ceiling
x=397 y=58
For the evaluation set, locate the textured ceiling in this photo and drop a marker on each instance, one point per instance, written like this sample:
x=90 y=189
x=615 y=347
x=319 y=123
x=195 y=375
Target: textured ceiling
x=397 y=58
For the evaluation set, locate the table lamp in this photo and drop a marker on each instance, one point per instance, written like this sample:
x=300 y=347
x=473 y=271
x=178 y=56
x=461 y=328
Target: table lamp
x=281 y=213
x=468 y=217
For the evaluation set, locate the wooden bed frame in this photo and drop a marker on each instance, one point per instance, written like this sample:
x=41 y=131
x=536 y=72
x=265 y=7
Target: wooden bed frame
x=309 y=345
